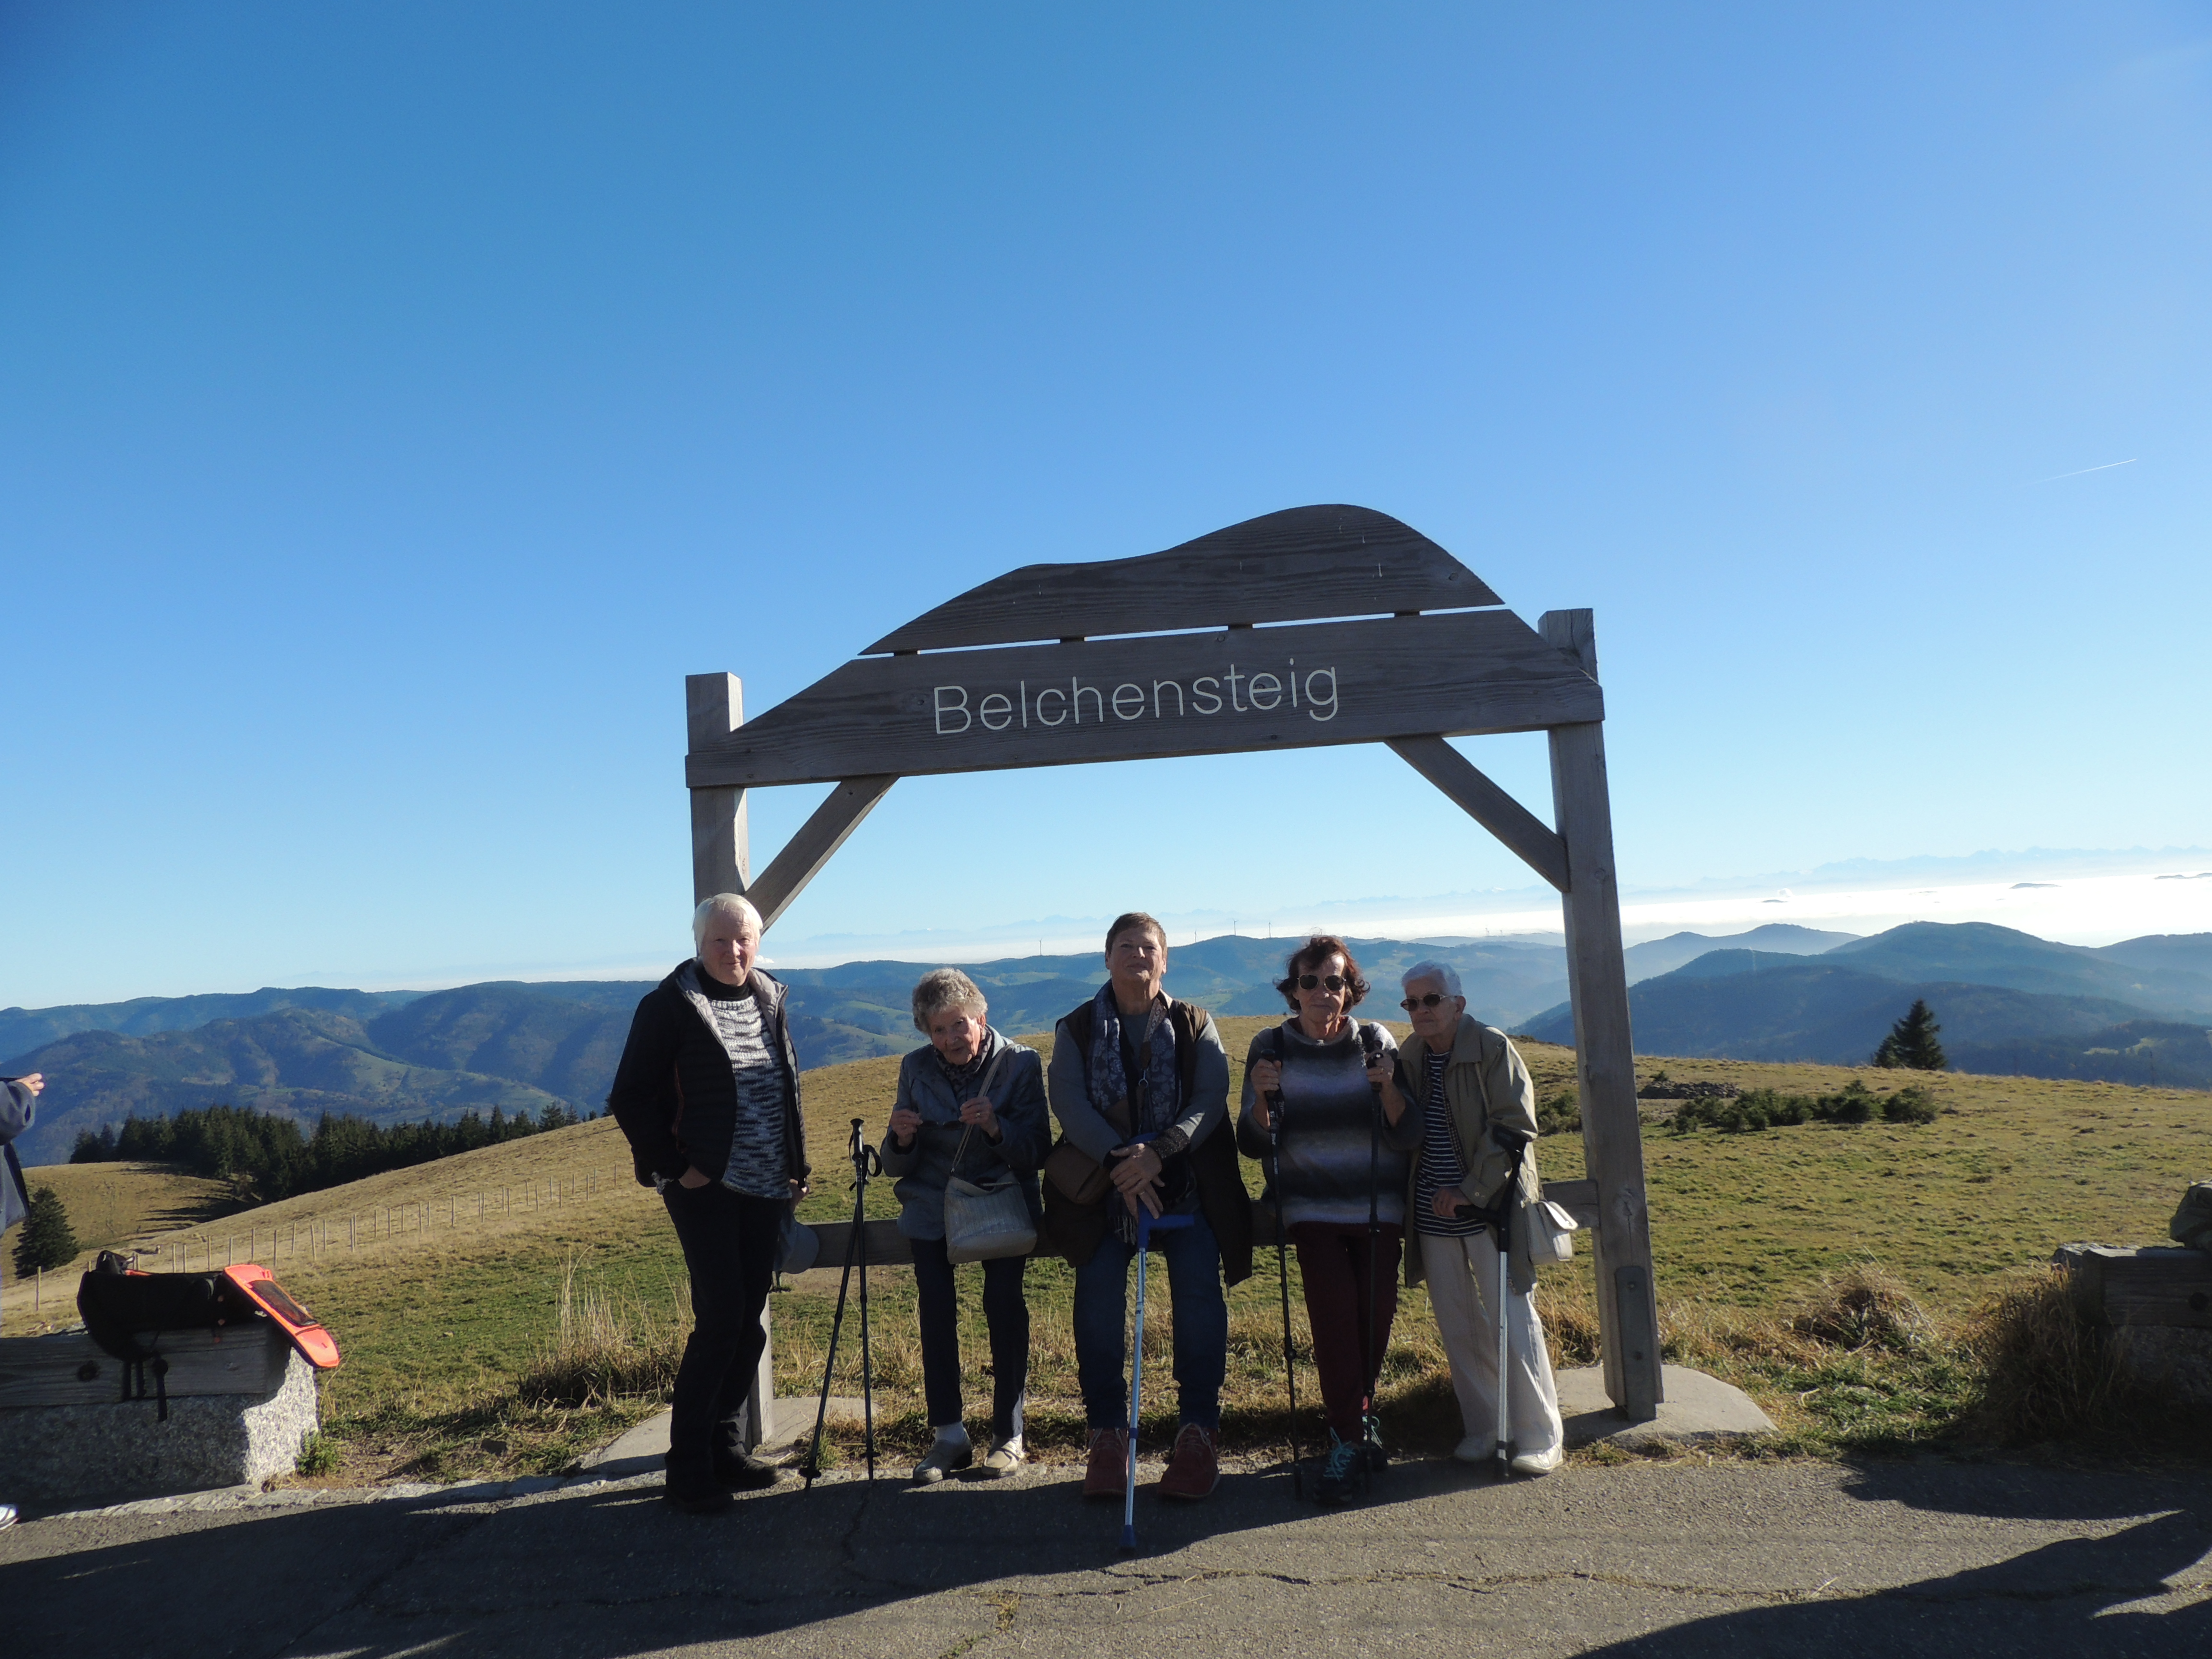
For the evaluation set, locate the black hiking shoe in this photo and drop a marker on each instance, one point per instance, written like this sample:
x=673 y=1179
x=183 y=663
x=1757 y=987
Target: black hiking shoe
x=1343 y=1472
x=740 y=1471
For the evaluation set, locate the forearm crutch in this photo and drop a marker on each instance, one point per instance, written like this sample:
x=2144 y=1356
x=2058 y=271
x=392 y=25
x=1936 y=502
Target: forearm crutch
x=1147 y=1225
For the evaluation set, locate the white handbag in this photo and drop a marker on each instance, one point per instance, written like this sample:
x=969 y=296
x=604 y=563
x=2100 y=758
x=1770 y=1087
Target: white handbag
x=1552 y=1229
x=986 y=1219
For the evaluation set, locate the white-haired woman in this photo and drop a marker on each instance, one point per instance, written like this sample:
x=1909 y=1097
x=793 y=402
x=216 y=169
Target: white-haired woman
x=972 y=1104
x=1468 y=1081
x=706 y=1093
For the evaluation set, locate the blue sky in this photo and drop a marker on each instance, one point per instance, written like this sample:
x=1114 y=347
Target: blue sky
x=396 y=402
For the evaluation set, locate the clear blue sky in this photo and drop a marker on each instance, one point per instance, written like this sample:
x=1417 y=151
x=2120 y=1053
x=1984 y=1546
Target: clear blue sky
x=397 y=401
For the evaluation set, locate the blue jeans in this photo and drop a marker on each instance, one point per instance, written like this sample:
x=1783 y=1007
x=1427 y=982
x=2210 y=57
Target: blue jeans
x=1201 y=1325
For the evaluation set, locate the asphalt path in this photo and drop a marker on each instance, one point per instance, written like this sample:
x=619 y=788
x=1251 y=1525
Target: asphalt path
x=1926 y=1557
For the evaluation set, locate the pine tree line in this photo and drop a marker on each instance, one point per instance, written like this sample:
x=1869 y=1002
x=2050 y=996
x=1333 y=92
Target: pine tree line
x=266 y=1157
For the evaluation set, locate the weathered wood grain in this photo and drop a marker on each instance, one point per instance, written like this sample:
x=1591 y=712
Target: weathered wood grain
x=820 y=837
x=887 y=1245
x=1578 y=1198
x=1184 y=694
x=1285 y=567
x=44 y=1370
x=1598 y=984
x=1465 y=785
x=714 y=706
x=2160 y=1286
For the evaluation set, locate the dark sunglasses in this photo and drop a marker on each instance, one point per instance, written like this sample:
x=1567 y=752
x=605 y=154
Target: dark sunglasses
x=1428 y=1001
x=1307 y=981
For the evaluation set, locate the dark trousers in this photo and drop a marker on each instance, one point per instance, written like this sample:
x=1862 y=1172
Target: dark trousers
x=1334 y=1259
x=729 y=1243
x=1201 y=1328
x=1005 y=1313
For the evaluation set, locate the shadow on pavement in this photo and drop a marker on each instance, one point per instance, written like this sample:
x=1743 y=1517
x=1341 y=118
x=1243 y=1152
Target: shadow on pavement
x=596 y=1572
x=2075 y=1595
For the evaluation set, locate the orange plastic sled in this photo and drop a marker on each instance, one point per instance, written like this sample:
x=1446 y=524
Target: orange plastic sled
x=252 y=1281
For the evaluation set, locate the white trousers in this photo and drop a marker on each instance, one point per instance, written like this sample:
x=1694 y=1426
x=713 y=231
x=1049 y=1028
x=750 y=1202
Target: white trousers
x=1463 y=1281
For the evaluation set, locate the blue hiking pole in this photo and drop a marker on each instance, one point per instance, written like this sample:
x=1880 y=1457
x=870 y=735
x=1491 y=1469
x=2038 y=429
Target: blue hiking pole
x=1147 y=1225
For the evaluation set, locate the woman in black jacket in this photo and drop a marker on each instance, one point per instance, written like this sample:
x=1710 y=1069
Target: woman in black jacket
x=708 y=1096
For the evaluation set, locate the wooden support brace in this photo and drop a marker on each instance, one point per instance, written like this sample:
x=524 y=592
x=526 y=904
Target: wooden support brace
x=714 y=706
x=820 y=837
x=1522 y=830
x=1598 y=984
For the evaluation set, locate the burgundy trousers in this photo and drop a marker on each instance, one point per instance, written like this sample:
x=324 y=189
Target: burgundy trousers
x=1334 y=1260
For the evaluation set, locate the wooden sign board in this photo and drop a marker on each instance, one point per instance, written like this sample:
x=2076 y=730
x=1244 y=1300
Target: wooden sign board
x=1216 y=692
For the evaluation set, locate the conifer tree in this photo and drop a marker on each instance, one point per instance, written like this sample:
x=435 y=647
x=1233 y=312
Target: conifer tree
x=47 y=1240
x=1911 y=1043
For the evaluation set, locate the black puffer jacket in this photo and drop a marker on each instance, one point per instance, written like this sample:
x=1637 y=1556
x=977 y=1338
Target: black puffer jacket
x=674 y=1093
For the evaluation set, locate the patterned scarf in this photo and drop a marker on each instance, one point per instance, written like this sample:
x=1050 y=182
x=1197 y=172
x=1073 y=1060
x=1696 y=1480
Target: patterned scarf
x=1110 y=1084
x=962 y=1079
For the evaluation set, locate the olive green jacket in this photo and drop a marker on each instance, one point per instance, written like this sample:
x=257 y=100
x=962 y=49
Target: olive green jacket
x=1485 y=1079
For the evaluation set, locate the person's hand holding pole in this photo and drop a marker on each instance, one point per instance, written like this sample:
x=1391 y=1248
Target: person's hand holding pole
x=1137 y=1175
x=1267 y=1079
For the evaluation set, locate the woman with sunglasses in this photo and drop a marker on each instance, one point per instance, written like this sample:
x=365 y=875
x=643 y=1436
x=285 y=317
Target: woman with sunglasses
x=1471 y=1082
x=1343 y=1138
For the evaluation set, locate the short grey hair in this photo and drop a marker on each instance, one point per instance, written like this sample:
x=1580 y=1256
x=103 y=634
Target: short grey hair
x=946 y=988
x=723 y=904
x=1443 y=972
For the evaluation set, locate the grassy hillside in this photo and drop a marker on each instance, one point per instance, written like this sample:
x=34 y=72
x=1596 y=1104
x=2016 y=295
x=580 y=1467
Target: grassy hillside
x=445 y=1284
x=111 y=1203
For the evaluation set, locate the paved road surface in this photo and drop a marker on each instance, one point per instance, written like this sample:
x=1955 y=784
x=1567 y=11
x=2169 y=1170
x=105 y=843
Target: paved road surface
x=1661 y=1559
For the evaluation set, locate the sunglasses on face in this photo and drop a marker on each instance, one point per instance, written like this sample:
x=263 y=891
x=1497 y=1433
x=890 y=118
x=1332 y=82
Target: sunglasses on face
x=1308 y=981
x=1428 y=1001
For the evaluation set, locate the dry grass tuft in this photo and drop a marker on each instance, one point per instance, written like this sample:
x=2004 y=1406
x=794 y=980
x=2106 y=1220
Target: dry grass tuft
x=604 y=1349
x=2046 y=1375
x=1864 y=1308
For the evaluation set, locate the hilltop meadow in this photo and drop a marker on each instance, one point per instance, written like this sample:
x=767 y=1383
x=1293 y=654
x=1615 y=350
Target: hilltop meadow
x=507 y=1308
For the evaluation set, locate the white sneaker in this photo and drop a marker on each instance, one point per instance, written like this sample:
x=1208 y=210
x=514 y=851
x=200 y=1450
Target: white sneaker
x=945 y=1457
x=1541 y=1462
x=1475 y=1449
x=7 y=1516
x=1004 y=1457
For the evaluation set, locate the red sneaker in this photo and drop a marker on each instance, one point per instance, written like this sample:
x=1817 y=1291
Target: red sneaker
x=1195 y=1468
x=1109 y=1473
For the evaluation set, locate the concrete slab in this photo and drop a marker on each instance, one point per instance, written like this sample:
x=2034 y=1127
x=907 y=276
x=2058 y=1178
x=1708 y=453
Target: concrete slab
x=641 y=1451
x=1698 y=1409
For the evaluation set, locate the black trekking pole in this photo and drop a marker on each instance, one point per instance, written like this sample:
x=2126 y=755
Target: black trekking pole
x=1519 y=1143
x=1275 y=1097
x=1370 y=1430
x=863 y=1157
x=856 y=1249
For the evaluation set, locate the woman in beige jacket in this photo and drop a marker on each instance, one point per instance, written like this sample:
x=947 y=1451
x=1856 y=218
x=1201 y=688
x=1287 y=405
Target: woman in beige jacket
x=1466 y=1077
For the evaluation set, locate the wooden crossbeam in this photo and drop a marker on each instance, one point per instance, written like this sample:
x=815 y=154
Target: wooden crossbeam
x=819 y=837
x=1474 y=794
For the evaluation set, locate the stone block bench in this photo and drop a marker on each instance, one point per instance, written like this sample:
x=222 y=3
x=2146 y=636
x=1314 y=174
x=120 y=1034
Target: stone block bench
x=241 y=1402
x=2154 y=1306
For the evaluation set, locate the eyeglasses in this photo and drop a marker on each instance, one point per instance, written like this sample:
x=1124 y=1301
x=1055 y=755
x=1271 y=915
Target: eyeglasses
x=1428 y=1001
x=1308 y=981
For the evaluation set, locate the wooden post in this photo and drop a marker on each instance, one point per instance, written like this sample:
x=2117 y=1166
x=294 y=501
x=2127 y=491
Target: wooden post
x=721 y=862
x=714 y=706
x=1604 y=1065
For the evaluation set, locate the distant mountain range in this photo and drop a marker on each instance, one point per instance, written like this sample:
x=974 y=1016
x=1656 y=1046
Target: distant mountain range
x=2008 y=1001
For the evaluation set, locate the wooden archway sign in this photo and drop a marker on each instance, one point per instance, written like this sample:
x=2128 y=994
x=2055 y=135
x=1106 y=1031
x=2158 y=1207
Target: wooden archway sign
x=1376 y=635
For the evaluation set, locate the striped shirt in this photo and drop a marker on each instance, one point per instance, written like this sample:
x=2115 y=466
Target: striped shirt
x=1441 y=1165
x=757 y=1166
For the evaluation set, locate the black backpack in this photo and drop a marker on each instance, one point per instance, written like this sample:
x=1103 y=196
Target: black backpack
x=119 y=1305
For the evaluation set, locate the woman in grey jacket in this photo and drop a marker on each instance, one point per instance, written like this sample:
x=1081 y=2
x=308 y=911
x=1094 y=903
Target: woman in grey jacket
x=971 y=1103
